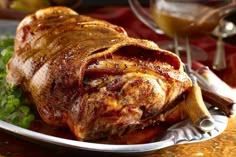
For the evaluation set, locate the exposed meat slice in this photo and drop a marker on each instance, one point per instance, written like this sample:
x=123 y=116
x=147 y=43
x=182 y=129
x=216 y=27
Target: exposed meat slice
x=87 y=74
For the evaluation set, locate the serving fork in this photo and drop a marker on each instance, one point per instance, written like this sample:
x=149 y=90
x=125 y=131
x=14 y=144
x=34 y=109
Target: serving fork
x=201 y=91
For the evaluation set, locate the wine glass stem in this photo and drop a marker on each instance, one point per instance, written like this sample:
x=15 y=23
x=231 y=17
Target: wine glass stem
x=188 y=52
x=176 y=45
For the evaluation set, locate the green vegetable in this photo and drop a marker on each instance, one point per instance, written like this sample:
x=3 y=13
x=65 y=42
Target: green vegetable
x=12 y=106
x=29 y=5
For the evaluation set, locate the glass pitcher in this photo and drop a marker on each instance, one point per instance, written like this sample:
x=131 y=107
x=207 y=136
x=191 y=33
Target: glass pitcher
x=183 y=17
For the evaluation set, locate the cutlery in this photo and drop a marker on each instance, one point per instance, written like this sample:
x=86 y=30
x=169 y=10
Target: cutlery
x=227 y=105
x=223 y=30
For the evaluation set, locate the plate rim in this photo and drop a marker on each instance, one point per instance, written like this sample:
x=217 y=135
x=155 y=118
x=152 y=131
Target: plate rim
x=168 y=140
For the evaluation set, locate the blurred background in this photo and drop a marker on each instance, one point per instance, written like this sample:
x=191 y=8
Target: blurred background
x=17 y=9
x=32 y=5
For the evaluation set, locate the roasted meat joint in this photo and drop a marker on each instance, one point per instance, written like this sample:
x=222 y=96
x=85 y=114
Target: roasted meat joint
x=89 y=75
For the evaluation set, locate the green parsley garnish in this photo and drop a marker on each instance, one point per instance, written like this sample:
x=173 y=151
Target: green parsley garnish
x=13 y=104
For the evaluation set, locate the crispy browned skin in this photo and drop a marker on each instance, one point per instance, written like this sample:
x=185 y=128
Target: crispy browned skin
x=87 y=74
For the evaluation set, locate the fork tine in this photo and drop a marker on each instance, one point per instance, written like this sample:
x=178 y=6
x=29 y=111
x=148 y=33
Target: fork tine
x=188 y=52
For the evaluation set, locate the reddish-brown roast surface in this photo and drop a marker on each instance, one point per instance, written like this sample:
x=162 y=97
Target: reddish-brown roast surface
x=87 y=74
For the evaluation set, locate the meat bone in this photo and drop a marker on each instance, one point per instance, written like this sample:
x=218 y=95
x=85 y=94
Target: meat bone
x=195 y=106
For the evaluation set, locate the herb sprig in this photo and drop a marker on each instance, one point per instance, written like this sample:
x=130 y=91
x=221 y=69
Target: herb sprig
x=13 y=104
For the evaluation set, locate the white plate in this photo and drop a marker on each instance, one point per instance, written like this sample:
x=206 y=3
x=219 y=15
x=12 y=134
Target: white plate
x=182 y=132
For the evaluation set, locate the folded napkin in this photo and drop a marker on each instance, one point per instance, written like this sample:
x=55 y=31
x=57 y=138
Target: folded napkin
x=224 y=80
x=217 y=83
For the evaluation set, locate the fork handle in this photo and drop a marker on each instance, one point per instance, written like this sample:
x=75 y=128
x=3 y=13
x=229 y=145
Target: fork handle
x=227 y=105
